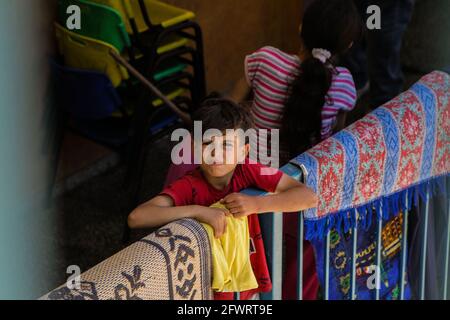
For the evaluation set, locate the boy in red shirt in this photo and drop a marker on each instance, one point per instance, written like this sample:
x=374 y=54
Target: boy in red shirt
x=221 y=180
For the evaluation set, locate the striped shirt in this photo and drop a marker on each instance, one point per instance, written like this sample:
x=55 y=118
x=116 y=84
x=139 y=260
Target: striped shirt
x=270 y=72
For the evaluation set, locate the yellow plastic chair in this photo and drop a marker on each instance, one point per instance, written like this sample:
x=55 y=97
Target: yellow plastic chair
x=159 y=13
x=169 y=23
x=89 y=54
x=164 y=14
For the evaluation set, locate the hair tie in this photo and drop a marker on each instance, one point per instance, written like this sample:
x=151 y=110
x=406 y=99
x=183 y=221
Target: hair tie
x=321 y=54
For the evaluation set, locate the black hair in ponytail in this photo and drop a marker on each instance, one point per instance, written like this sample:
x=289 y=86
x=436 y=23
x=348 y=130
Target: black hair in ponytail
x=327 y=24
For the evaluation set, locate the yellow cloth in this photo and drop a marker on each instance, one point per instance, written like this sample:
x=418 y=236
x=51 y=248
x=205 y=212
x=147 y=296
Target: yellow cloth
x=232 y=270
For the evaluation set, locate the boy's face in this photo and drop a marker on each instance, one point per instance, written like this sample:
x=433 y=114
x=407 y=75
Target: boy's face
x=221 y=153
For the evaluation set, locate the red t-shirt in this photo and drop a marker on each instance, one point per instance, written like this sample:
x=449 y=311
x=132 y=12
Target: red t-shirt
x=194 y=189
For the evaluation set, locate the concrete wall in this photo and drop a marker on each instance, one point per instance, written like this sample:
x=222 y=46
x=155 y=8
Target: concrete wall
x=26 y=223
x=234 y=28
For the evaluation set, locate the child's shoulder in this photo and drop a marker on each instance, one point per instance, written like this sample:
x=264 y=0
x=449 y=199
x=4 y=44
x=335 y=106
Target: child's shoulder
x=257 y=169
x=269 y=49
x=344 y=80
x=190 y=178
x=257 y=175
x=343 y=73
x=276 y=54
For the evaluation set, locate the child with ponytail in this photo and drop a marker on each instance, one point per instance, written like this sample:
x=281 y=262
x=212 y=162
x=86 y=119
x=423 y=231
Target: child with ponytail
x=304 y=96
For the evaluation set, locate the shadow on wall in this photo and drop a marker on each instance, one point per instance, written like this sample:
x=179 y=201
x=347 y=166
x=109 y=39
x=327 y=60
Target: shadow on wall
x=234 y=28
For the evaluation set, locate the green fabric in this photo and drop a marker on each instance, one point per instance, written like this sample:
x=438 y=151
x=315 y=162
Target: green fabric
x=98 y=22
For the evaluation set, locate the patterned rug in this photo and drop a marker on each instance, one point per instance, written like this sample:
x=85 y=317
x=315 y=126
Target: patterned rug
x=173 y=263
x=375 y=169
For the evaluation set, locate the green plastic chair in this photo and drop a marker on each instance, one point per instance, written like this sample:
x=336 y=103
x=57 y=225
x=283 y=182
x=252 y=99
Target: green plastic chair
x=161 y=14
x=97 y=21
x=105 y=24
x=130 y=16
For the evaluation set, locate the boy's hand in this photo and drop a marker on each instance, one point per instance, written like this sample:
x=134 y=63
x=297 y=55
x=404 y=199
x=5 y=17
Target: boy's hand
x=215 y=217
x=240 y=205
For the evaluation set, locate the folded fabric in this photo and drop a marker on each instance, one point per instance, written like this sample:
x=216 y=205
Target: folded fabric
x=373 y=170
x=232 y=270
x=387 y=159
x=172 y=263
x=341 y=262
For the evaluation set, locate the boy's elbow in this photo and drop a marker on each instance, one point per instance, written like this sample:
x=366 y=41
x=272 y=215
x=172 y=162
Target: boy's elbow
x=134 y=219
x=312 y=200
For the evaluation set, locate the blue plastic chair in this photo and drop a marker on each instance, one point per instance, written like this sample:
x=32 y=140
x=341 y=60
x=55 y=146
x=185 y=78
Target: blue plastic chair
x=85 y=94
x=90 y=99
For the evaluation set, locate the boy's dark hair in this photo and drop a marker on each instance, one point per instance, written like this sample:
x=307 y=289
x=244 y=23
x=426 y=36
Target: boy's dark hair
x=327 y=24
x=222 y=114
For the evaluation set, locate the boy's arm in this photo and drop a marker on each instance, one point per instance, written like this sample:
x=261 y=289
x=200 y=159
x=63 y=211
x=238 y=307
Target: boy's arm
x=161 y=210
x=290 y=196
x=157 y=212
